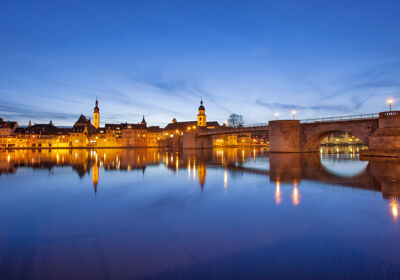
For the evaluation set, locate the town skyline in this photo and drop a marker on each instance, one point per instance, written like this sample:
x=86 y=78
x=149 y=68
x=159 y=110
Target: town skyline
x=287 y=114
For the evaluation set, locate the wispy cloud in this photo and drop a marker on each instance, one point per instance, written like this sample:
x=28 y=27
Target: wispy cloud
x=289 y=106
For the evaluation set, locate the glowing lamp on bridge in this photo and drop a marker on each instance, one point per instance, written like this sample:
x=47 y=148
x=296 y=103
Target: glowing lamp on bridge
x=276 y=115
x=390 y=102
x=293 y=113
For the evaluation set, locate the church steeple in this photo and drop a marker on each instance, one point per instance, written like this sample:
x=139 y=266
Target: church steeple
x=96 y=108
x=143 y=121
x=201 y=116
x=96 y=115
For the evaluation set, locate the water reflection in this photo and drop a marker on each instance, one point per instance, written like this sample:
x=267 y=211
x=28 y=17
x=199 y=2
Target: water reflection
x=295 y=195
x=170 y=214
x=278 y=198
x=395 y=208
x=379 y=174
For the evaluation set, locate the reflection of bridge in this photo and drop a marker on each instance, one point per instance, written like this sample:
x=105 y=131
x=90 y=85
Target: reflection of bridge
x=380 y=132
x=380 y=174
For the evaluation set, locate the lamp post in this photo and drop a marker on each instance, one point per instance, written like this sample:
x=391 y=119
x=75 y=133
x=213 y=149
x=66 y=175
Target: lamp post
x=293 y=113
x=390 y=102
x=276 y=115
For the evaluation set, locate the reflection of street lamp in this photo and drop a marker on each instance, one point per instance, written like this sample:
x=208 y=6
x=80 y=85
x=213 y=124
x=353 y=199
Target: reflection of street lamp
x=293 y=113
x=295 y=194
x=395 y=209
x=278 y=198
x=276 y=115
x=390 y=102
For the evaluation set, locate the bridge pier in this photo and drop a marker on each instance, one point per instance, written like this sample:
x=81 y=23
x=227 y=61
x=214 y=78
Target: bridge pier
x=191 y=140
x=385 y=141
x=285 y=136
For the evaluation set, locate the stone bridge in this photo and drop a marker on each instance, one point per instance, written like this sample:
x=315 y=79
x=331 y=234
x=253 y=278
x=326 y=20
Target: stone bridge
x=380 y=132
x=294 y=136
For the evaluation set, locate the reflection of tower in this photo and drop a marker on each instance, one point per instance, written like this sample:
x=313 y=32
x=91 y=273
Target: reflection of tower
x=201 y=171
x=95 y=176
x=96 y=115
x=201 y=116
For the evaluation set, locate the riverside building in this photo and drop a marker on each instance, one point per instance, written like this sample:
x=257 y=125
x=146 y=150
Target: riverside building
x=90 y=134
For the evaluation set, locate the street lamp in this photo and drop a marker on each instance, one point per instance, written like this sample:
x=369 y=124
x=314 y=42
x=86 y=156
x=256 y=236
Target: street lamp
x=293 y=113
x=276 y=115
x=390 y=102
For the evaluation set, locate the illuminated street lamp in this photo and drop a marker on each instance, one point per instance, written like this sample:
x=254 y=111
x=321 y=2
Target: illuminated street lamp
x=390 y=102
x=276 y=115
x=293 y=113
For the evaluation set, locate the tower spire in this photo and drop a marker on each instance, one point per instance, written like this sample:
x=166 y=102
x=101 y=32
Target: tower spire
x=96 y=115
x=143 y=121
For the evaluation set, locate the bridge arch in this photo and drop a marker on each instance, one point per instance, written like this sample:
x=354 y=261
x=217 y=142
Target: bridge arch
x=313 y=134
x=313 y=142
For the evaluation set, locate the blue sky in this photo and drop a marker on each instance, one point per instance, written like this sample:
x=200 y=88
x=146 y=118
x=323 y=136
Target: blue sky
x=157 y=58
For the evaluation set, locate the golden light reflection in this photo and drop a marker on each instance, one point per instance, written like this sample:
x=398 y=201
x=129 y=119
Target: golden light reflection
x=83 y=161
x=95 y=176
x=295 y=194
x=194 y=171
x=395 y=208
x=278 y=198
x=225 y=180
x=188 y=169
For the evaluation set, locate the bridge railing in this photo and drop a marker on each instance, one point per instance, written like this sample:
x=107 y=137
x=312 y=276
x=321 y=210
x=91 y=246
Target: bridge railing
x=389 y=114
x=342 y=118
x=229 y=129
x=250 y=125
x=253 y=125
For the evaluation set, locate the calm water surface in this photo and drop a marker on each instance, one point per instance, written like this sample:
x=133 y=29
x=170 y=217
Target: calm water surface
x=211 y=214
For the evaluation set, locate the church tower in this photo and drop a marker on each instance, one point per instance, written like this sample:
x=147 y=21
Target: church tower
x=96 y=115
x=201 y=116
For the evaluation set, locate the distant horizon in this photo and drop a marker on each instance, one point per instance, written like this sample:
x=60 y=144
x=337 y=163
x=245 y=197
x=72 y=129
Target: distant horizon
x=159 y=59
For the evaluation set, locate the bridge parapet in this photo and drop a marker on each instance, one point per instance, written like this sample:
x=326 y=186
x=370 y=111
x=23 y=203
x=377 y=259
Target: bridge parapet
x=342 y=118
x=232 y=130
x=389 y=114
x=389 y=119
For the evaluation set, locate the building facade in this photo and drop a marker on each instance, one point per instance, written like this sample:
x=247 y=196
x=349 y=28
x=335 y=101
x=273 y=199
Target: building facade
x=87 y=134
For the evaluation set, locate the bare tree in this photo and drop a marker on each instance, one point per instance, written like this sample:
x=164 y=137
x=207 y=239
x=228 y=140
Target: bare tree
x=235 y=120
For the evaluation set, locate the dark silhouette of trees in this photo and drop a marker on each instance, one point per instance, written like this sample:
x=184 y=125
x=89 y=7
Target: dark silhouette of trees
x=235 y=120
